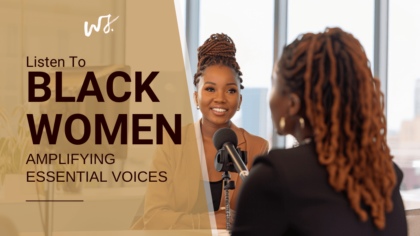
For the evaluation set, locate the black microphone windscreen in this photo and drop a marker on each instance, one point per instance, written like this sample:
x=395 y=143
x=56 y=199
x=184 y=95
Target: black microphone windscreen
x=224 y=135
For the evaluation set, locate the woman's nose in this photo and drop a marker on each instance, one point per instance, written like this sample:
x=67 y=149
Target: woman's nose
x=220 y=97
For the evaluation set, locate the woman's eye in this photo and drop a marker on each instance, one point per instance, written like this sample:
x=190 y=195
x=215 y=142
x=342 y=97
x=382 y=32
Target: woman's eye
x=232 y=91
x=210 y=89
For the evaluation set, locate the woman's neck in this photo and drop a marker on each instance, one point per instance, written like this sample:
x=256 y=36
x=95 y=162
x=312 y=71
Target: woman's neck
x=208 y=128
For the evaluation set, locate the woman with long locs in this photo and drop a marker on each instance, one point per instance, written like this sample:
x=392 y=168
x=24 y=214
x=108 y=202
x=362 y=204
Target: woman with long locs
x=340 y=180
x=177 y=205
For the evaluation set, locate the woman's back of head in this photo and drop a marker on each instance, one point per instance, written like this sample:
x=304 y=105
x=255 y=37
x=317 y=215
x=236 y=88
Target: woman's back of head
x=331 y=74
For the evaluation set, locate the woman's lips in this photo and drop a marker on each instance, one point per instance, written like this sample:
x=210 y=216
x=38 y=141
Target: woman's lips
x=218 y=111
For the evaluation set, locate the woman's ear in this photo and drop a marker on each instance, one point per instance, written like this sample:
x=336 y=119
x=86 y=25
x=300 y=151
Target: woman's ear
x=195 y=98
x=294 y=104
x=240 y=101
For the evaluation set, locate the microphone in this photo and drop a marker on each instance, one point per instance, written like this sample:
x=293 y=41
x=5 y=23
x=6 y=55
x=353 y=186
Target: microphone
x=225 y=141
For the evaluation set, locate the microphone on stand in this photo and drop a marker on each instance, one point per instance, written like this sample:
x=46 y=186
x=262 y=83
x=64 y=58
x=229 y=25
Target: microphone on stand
x=228 y=158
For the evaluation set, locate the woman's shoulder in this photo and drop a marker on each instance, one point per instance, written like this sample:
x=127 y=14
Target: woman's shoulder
x=301 y=157
x=255 y=143
x=250 y=136
x=253 y=138
x=178 y=138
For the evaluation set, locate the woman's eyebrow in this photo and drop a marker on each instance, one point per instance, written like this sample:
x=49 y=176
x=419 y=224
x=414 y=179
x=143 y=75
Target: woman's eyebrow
x=210 y=83
x=232 y=84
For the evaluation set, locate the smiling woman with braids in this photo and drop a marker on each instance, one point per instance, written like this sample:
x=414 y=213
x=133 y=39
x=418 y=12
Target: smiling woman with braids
x=218 y=82
x=340 y=180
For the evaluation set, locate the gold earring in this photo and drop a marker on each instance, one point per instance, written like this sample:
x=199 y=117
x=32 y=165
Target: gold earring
x=238 y=109
x=282 y=124
x=302 y=123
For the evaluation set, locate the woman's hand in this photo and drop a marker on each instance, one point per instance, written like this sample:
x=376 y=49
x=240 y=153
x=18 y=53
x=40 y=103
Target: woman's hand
x=221 y=218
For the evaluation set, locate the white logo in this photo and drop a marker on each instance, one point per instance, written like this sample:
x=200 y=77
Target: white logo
x=97 y=28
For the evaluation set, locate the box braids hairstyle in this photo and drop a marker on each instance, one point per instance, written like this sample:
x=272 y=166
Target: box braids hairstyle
x=344 y=105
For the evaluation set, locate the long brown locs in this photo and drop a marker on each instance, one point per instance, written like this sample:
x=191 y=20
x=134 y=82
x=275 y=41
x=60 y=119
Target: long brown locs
x=345 y=107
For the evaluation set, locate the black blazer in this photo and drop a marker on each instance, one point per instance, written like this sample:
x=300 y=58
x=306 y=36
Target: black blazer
x=287 y=193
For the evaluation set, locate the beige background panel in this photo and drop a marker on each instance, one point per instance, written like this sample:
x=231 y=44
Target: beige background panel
x=144 y=38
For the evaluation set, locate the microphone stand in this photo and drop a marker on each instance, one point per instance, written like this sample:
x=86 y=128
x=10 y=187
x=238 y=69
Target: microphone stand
x=225 y=141
x=227 y=186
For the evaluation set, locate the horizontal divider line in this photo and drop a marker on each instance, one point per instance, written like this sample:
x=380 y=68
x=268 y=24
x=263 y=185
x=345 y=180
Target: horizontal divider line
x=54 y=200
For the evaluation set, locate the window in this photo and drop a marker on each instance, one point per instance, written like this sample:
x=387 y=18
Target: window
x=250 y=25
x=404 y=95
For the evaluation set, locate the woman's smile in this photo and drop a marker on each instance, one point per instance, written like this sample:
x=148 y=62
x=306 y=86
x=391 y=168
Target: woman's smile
x=218 y=111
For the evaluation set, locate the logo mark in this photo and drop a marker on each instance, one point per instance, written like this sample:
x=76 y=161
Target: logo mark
x=107 y=27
